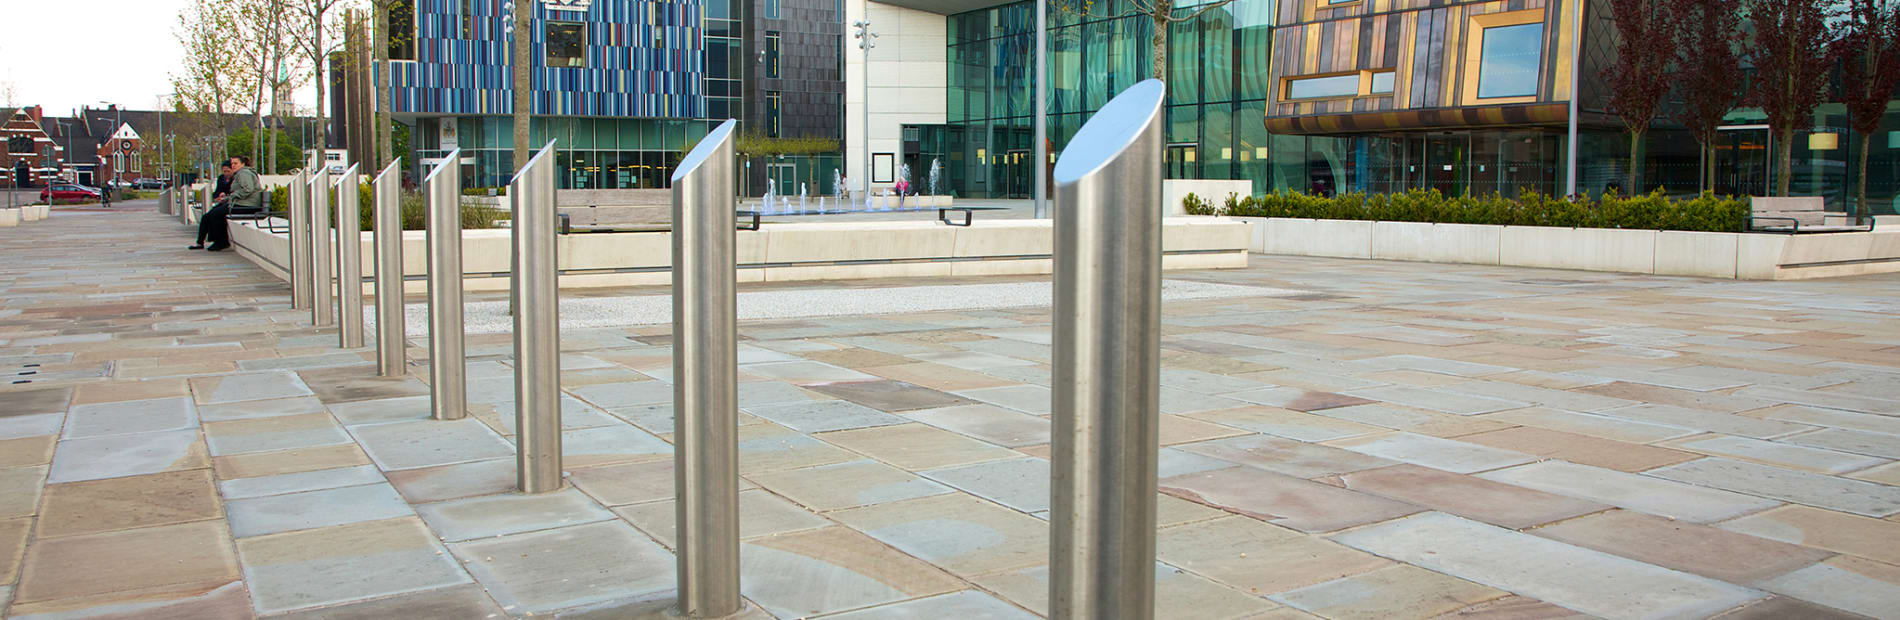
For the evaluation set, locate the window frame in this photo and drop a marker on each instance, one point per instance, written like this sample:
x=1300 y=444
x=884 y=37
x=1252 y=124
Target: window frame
x=772 y=46
x=1474 y=55
x=1362 y=89
x=547 y=53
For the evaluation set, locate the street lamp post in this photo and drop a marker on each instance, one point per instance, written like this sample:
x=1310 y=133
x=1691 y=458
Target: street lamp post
x=866 y=41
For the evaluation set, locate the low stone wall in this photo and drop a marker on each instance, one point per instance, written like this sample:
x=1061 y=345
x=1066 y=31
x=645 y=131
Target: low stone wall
x=787 y=252
x=1747 y=256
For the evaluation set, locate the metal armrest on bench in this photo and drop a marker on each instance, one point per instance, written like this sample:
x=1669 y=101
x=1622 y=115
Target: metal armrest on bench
x=1796 y=229
x=968 y=214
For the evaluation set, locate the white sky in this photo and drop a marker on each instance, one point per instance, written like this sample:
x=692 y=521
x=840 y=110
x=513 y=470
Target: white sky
x=69 y=53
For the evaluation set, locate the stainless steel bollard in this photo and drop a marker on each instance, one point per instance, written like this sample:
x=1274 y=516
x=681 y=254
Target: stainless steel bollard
x=536 y=295
x=448 y=383
x=300 y=240
x=391 y=342
x=322 y=262
x=705 y=378
x=1107 y=336
x=349 y=259
x=164 y=200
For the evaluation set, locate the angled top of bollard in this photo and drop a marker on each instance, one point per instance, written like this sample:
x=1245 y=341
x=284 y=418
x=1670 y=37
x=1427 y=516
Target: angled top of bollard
x=395 y=164
x=546 y=153
x=453 y=157
x=1110 y=130
x=348 y=173
x=704 y=150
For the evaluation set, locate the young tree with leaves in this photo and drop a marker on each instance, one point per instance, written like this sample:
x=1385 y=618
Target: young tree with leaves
x=315 y=37
x=1160 y=12
x=1638 y=80
x=1870 y=67
x=1708 y=70
x=1792 y=54
x=521 y=33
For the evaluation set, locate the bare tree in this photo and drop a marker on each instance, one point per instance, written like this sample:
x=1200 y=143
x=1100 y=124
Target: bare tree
x=1160 y=12
x=210 y=78
x=314 y=38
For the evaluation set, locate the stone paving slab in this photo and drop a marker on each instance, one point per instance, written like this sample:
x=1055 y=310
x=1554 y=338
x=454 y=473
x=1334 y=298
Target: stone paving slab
x=1323 y=422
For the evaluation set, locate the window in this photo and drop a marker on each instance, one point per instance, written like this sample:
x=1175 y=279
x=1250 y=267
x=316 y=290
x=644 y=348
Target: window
x=468 y=19
x=771 y=113
x=402 y=30
x=770 y=57
x=1382 y=82
x=771 y=9
x=1509 y=60
x=567 y=44
x=20 y=144
x=1322 y=87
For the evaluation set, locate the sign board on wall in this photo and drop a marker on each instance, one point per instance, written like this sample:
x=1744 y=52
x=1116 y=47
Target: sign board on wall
x=445 y=135
x=566 y=5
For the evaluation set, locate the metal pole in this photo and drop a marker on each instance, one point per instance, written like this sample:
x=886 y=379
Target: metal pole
x=537 y=326
x=300 y=239
x=349 y=259
x=322 y=307
x=1576 y=68
x=1107 y=361
x=705 y=378
x=390 y=340
x=1042 y=109
x=448 y=386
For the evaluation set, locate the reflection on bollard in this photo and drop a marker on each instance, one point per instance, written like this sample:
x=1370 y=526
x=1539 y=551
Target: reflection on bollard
x=322 y=307
x=349 y=260
x=390 y=339
x=536 y=296
x=1107 y=337
x=448 y=387
x=705 y=378
x=300 y=240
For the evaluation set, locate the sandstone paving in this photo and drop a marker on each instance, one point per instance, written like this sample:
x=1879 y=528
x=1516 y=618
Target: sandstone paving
x=1582 y=579
x=1832 y=492
x=1824 y=529
x=179 y=398
x=1777 y=607
x=1638 y=492
x=1699 y=549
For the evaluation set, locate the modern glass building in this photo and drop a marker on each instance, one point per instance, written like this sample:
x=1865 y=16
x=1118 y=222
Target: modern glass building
x=1325 y=96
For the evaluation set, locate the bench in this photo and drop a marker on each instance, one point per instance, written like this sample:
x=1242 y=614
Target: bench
x=569 y=228
x=1796 y=214
x=943 y=214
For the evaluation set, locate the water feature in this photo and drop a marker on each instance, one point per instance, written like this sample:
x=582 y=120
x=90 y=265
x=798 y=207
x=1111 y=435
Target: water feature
x=936 y=177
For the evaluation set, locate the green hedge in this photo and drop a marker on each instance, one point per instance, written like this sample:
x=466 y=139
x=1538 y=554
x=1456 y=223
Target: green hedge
x=1655 y=211
x=473 y=215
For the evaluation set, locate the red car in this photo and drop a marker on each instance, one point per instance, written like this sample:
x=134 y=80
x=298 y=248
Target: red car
x=68 y=191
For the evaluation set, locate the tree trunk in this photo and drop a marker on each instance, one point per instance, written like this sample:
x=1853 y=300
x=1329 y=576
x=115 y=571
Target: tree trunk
x=1708 y=167
x=1636 y=162
x=1160 y=39
x=276 y=66
x=1861 y=212
x=1784 y=160
x=523 y=81
x=322 y=133
x=383 y=148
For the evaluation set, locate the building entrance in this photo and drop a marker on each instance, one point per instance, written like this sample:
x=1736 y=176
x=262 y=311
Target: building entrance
x=1741 y=160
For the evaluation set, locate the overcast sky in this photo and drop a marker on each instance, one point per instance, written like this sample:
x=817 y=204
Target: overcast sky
x=69 y=53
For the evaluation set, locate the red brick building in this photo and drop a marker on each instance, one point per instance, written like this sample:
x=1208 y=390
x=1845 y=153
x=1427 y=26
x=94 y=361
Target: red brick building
x=28 y=148
x=119 y=155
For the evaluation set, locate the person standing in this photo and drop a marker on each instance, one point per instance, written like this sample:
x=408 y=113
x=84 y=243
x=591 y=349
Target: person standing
x=246 y=197
x=218 y=210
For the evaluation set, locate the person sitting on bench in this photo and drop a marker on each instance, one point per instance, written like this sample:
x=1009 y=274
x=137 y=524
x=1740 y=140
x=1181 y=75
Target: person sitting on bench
x=247 y=197
x=216 y=212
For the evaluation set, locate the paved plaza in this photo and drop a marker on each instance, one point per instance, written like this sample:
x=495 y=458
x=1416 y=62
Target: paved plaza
x=1350 y=439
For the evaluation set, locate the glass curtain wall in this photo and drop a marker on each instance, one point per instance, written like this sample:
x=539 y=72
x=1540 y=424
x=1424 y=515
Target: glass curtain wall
x=590 y=153
x=1215 y=110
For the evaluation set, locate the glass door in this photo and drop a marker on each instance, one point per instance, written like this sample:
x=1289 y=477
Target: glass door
x=1741 y=160
x=1181 y=161
x=1446 y=163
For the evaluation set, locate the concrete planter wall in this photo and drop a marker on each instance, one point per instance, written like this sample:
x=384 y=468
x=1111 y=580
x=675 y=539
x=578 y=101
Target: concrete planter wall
x=9 y=218
x=787 y=252
x=1746 y=256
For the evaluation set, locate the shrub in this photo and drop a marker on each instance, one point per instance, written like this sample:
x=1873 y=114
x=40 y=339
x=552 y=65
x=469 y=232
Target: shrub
x=1655 y=211
x=1194 y=205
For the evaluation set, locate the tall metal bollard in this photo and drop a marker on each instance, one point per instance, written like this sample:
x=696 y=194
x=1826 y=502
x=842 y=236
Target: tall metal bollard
x=536 y=295
x=705 y=378
x=390 y=339
x=448 y=382
x=322 y=308
x=300 y=240
x=1107 y=383
x=349 y=259
x=164 y=200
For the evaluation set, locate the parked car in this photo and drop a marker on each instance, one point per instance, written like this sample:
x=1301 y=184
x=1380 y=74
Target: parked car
x=149 y=183
x=68 y=191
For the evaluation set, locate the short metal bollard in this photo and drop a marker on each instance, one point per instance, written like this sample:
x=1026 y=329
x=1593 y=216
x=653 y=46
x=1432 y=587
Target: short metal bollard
x=299 y=190
x=536 y=295
x=322 y=308
x=448 y=382
x=349 y=260
x=705 y=378
x=1107 y=381
x=164 y=201
x=390 y=339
